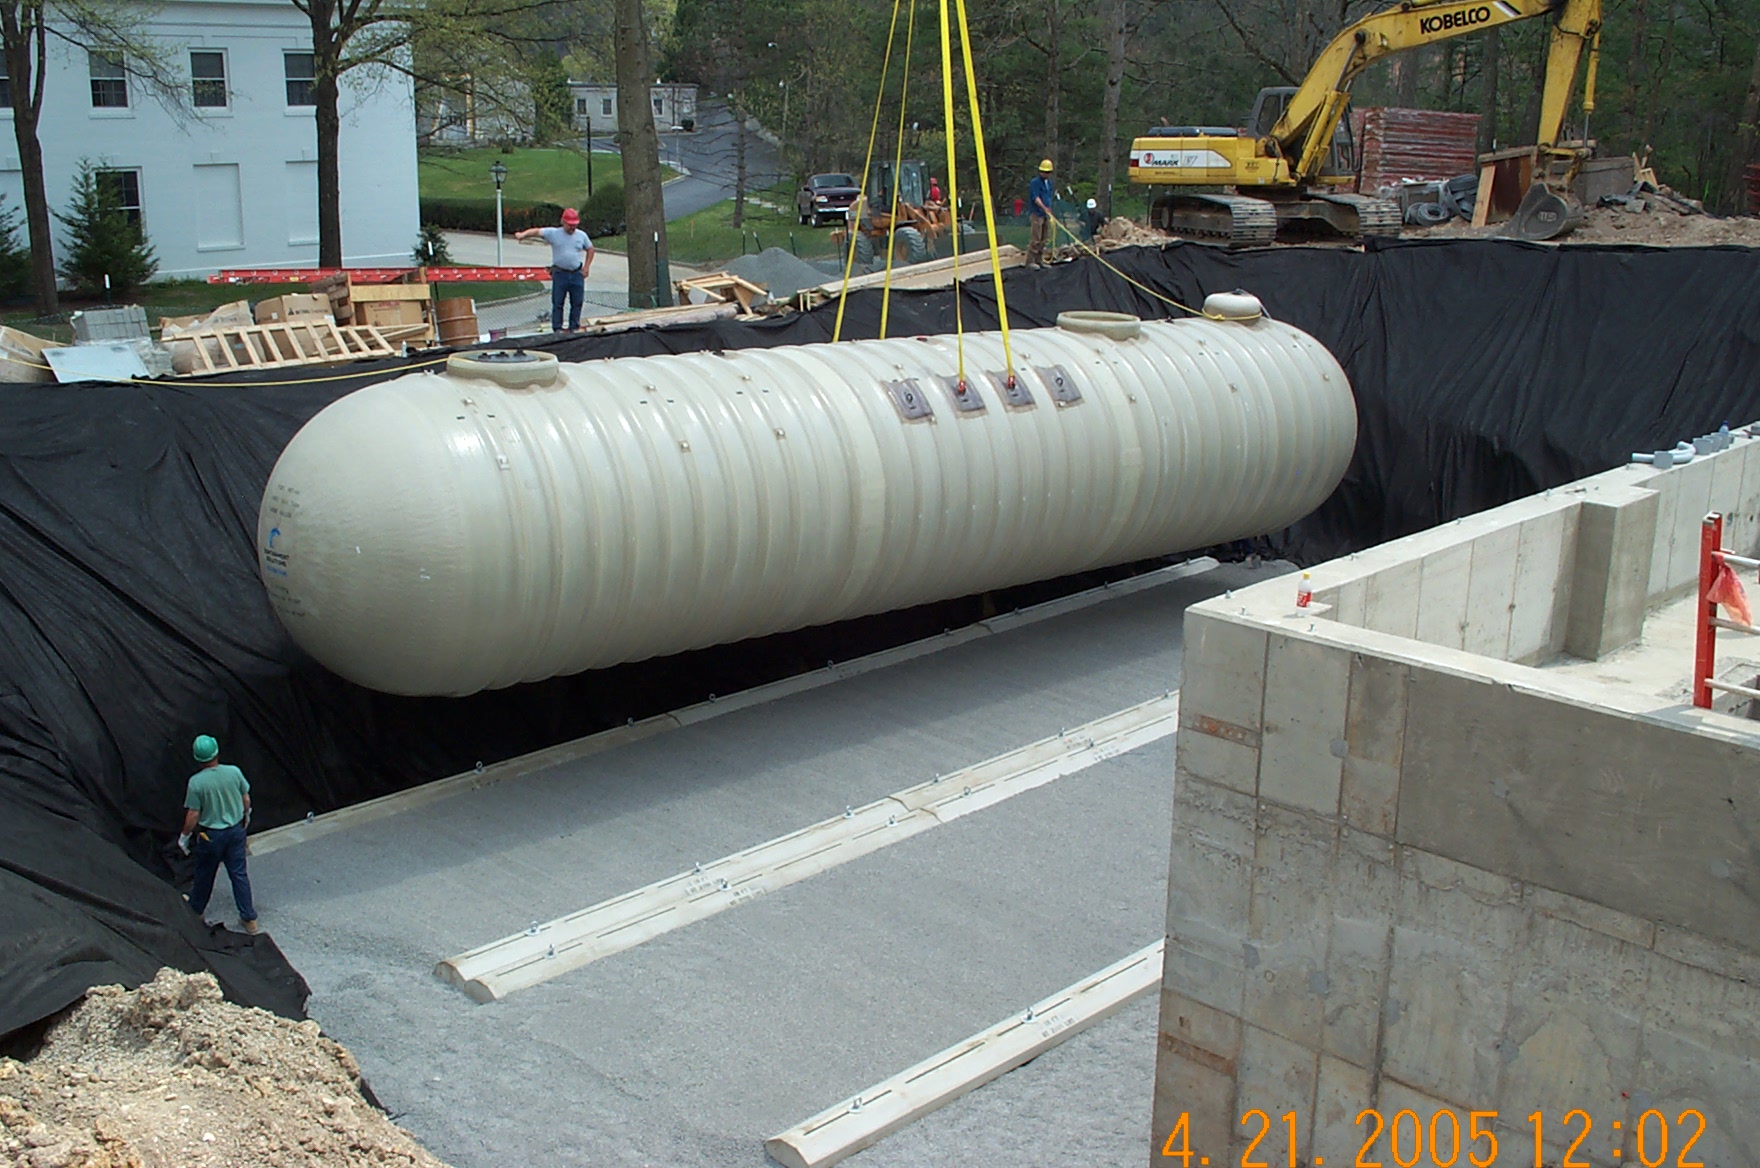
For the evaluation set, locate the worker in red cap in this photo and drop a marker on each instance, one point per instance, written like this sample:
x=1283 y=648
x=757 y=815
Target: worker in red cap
x=571 y=258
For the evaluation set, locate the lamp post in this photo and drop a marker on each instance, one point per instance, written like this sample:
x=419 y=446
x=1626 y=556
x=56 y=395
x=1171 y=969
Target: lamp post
x=498 y=172
x=589 y=156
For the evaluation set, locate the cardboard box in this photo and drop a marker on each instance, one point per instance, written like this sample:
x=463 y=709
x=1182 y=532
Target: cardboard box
x=389 y=313
x=21 y=356
x=282 y=308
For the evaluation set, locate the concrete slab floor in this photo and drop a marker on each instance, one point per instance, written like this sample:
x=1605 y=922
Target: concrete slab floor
x=692 y=1049
x=1660 y=661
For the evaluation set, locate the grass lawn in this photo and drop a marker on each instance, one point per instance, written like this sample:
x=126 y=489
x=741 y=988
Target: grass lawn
x=188 y=297
x=709 y=236
x=551 y=174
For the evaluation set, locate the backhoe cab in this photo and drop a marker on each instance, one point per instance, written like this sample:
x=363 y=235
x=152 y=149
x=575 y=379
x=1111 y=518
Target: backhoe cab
x=921 y=223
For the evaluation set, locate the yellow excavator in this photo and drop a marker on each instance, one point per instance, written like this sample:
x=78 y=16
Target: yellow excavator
x=1289 y=166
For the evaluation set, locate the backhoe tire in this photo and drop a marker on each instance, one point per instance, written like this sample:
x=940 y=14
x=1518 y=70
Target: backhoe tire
x=909 y=246
x=864 y=248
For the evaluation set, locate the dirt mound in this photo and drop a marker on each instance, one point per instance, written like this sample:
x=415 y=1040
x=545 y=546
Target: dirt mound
x=1119 y=231
x=171 y=1075
x=1653 y=222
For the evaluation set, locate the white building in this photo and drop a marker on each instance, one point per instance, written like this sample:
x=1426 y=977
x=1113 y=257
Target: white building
x=674 y=105
x=228 y=179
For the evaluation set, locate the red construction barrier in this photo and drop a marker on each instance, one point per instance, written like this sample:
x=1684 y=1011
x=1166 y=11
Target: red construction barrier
x=380 y=275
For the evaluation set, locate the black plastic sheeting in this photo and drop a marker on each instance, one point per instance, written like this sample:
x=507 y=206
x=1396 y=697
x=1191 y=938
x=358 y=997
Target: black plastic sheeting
x=132 y=618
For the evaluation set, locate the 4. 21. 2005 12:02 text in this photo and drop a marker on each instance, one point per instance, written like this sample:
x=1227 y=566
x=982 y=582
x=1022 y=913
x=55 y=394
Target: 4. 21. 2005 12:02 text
x=1440 y=1143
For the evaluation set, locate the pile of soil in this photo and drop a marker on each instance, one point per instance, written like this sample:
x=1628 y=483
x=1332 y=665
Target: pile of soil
x=172 y=1075
x=1653 y=222
x=1119 y=231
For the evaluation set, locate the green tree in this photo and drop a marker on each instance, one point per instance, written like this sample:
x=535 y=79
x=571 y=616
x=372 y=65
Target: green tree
x=104 y=242
x=27 y=27
x=15 y=257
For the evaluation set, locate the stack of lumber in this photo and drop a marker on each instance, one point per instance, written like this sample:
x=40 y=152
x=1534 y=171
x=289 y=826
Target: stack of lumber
x=720 y=288
x=930 y=274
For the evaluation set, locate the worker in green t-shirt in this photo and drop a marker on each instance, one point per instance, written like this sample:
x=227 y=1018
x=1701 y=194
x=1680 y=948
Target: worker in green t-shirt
x=217 y=809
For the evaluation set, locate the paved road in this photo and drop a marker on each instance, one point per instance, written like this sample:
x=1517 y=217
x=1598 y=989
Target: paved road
x=708 y=153
x=688 y=1050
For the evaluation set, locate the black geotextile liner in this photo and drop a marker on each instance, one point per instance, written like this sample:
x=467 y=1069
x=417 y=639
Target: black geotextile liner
x=132 y=618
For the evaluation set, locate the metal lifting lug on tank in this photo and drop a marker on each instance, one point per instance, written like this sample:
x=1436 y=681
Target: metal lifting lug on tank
x=514 y=519
x=1289 y=166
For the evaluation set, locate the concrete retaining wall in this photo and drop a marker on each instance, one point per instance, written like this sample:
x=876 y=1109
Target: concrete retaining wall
x=1409 y=870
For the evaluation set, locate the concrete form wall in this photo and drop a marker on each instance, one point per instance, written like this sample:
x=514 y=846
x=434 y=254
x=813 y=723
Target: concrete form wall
x=1408 y=872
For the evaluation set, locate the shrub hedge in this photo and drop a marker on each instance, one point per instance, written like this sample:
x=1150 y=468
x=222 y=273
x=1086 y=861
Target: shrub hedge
x=602 y=214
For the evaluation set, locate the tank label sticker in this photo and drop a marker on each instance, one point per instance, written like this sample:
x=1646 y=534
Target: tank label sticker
x=280 y=511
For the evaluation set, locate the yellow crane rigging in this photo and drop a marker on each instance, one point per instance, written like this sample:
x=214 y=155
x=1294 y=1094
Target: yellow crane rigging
x=1286 y=165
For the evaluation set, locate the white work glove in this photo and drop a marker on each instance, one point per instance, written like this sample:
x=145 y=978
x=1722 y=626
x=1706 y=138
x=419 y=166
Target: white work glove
x=183 y=843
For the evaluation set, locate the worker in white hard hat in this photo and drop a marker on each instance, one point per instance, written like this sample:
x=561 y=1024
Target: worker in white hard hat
x=1040 y=196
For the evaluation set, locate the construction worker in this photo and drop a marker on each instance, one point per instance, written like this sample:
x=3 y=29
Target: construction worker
x=571 y=258
x=217 y=809
x=935 y=190
x=1040 y=196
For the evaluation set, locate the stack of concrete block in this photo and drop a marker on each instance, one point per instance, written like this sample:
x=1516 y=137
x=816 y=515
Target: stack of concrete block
x=110 y=324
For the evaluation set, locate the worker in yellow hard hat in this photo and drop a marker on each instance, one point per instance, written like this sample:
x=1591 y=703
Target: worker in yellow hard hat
x=1040 y=196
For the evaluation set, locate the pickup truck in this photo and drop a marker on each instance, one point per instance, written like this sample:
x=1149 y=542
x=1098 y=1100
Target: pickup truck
x=824 y=197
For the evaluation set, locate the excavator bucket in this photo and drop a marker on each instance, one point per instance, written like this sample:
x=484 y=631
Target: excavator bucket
x=1545 y=214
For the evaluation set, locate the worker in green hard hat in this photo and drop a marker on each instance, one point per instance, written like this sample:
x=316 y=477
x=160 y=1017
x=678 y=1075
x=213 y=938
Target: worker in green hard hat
x=217 y=810
x=1040 y=196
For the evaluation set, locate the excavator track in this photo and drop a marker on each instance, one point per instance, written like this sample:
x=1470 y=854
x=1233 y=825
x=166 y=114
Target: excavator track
x=1241 y=220
x=1374 y=216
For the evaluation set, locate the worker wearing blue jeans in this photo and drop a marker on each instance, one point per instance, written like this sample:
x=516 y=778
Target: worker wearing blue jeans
x=217 y=810
x=571 y=257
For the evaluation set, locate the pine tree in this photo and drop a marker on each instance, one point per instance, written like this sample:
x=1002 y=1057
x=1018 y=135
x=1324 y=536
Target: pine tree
x=431 y=251
x=102 y=241
x=15 y=257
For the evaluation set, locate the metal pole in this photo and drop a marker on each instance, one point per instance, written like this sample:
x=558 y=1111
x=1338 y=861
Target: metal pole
x=589 y=156
x=1704 y=634
x=498 y=225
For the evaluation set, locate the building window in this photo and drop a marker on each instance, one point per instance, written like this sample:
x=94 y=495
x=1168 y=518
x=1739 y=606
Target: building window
x=109 y=81
x=5 y=86
x=657 y=105
x=580 y=106
x=125 y=187
x=207 y=71
x=605 y=107
x=301 y=70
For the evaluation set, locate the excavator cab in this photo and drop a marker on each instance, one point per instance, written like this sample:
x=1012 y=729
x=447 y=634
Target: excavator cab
x=1268 y=107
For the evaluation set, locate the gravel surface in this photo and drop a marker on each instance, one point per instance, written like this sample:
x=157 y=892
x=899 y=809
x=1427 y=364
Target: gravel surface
x=689 y=1050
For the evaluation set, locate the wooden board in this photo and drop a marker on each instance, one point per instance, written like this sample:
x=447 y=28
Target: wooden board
x=721 y=287
x=364 y=292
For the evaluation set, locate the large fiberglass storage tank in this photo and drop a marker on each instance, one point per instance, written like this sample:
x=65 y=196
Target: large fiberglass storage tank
x=512 y=519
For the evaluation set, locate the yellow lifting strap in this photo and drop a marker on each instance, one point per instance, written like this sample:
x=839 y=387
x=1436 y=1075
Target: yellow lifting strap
x=959 y=324
x=965 y=39
x=855 y=217
x=904 y=93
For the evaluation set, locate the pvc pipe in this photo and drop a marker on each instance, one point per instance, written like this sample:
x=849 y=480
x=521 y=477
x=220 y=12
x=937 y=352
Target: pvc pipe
x=444 y=533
